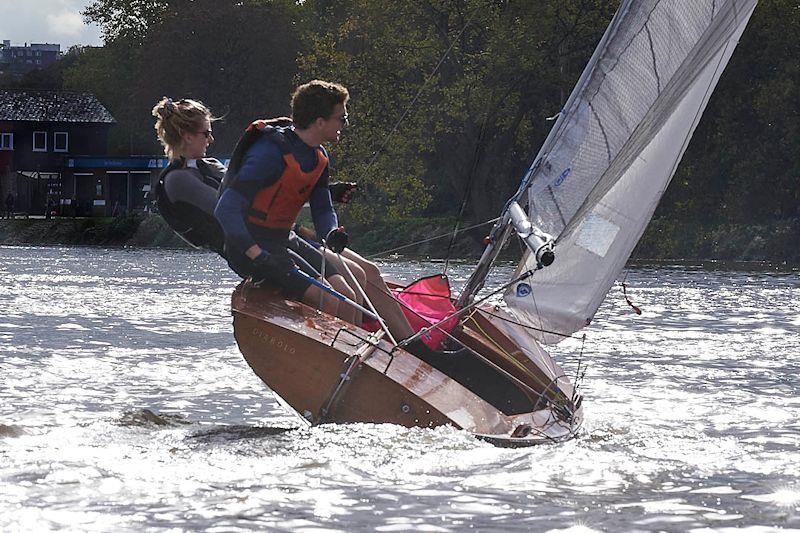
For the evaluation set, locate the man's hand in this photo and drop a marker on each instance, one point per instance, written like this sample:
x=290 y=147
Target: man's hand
x=306 y=233
x=337 y=240
x=272 y=265
x=343 y=191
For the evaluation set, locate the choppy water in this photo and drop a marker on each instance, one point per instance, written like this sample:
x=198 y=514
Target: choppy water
x=125 y=405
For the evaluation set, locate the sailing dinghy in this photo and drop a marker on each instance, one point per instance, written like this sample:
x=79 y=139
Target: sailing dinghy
x=580 y=209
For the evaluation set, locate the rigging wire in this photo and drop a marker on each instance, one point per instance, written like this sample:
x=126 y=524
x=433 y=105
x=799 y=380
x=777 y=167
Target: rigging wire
x=416 y=243
x=557 y=404
x=463 y=310
x=527 y=326
x=499 y=317
x=579 y=375
x=520 y=365
x=467 y=193
x=408 y=108
x=538 y=313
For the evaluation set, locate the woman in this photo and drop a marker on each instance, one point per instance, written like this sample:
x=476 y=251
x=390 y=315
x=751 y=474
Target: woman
x=186 y=192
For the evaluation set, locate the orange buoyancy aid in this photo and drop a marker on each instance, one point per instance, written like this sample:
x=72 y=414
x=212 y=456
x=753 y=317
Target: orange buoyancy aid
x=277 y=206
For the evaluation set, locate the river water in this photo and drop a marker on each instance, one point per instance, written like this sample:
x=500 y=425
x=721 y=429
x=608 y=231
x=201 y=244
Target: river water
x=126 y=406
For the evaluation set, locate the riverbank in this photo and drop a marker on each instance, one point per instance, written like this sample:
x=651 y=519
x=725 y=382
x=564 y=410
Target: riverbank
x=150 y=231
x=664 y=239
x=135 y=230
x=775 y=242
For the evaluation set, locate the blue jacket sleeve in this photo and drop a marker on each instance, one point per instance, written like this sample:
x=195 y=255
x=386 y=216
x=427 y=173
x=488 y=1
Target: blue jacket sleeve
x=262 y=165
x=230 y=212
x=322 y=212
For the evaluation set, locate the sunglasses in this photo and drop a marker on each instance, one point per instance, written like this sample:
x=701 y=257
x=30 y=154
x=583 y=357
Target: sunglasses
x=345 y=119
x=208 y=133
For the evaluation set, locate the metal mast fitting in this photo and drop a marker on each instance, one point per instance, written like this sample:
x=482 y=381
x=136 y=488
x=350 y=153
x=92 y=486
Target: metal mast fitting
x=538 y=242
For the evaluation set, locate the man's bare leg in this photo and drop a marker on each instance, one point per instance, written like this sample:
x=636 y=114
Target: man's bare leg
x=346 y=312
x=381 y=297
x=369 y=277
x=319 y=299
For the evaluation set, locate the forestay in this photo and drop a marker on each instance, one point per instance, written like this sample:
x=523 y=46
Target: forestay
x=615 y=148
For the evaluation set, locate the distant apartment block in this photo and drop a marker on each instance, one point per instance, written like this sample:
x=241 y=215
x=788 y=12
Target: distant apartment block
x=19 y=60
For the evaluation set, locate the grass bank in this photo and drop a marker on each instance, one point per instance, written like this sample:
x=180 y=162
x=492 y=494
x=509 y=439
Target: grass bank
x=777 y=241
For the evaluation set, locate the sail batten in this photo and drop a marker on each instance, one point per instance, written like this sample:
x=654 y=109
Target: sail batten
x=616 y=145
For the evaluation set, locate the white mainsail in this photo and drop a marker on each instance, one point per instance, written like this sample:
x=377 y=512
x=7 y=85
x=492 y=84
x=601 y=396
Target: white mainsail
x=615 y=147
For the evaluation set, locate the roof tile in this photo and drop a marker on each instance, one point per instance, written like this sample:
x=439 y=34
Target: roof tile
x=52 y=106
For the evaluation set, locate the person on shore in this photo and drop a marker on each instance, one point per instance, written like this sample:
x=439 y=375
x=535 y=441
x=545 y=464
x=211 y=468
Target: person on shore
x=273 y=172
x=10 y=205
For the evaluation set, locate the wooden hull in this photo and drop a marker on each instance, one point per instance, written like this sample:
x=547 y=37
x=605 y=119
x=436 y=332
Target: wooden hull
x=302 y=354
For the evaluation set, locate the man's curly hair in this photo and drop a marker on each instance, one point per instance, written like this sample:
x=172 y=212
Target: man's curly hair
x=316 y=99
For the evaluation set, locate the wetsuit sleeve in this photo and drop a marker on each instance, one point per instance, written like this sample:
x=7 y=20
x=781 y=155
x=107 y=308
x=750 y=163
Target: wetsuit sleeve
x=215 y=166
x=261 y=166
x=184 y=185
x=322 y=212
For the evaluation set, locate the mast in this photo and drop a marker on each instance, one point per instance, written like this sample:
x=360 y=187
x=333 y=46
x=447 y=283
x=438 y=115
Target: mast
x=513 y=218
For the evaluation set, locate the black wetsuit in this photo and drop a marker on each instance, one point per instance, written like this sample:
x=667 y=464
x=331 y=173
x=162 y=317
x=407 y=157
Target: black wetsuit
x=186 y=195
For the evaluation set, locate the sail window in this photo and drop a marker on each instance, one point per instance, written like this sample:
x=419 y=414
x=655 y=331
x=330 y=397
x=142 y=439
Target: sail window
x=597 y=234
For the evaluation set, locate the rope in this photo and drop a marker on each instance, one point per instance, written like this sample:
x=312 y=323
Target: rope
x=510 y=358
x=521 y=366
x=500 y=317
x=578 y=374
x=526 y=326
x=636 y=309
x=527 y=390
x=423 y=241
x=464 y=310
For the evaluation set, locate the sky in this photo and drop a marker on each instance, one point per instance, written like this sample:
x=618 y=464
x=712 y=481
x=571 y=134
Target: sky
x=46 y=21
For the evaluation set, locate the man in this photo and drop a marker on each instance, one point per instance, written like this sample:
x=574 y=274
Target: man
x=273 y=172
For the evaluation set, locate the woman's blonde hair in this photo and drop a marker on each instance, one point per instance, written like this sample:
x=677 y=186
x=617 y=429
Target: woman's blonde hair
x=173 y=118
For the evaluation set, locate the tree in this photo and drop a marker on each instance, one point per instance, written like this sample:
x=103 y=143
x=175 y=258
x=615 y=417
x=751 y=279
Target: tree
x=482 y=77
x=237 y=57
x=743 y=164
x=450 y=98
